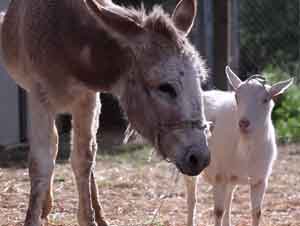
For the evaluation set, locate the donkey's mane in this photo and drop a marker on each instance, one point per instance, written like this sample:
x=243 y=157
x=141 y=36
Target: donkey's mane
x=160 y=22
x=156 y=20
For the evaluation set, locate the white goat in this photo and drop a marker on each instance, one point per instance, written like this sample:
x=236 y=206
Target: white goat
x=243 y=145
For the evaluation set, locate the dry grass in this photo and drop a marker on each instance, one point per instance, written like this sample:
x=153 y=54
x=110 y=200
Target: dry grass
x=131 y=189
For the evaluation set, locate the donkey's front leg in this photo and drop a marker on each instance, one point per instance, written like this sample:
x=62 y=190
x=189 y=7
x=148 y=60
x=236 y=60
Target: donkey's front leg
x=43 y=149
x=96 y=204
x=85 y=125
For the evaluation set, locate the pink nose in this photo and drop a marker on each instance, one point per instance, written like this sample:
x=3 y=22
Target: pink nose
x=244 y=124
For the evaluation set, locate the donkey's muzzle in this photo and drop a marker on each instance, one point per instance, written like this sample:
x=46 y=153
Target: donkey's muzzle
x=193 y=161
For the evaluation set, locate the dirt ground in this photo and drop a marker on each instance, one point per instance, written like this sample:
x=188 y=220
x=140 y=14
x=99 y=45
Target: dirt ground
x=132 y=190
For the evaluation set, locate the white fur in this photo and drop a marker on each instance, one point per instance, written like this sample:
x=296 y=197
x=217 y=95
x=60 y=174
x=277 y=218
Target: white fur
x=233 y=154
x=236 y=157
x=2 y=14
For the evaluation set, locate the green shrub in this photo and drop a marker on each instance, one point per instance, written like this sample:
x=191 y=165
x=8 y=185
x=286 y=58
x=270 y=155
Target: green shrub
x=286 y=115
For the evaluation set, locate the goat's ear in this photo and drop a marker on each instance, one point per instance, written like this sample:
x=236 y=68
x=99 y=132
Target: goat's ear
x=232 y=78
x=280 y=87
x=115 y=21
x=184 y=15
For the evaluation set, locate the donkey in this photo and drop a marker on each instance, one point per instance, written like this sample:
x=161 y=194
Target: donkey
x=65 y=52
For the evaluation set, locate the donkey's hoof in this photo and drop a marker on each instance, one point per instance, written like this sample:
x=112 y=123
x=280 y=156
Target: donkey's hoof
x=102 y=223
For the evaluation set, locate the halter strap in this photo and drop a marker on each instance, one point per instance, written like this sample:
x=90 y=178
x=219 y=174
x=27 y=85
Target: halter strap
x=167 y=127
x=185 y=124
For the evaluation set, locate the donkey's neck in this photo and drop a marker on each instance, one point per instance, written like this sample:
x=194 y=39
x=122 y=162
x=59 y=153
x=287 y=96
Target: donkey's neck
x=102 y=59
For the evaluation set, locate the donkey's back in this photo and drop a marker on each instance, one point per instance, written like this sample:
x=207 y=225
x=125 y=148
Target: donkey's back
x=47 y=47
x=40 y=38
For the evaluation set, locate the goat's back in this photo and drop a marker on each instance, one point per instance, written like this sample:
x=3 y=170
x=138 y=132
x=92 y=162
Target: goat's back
x=220 y=107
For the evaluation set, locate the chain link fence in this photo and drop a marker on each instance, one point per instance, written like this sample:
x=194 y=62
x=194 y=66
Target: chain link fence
x=270 y=44
x=270 y=36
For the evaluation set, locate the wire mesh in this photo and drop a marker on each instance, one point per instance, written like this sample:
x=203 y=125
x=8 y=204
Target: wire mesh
x=270 y=44
x=270 y=36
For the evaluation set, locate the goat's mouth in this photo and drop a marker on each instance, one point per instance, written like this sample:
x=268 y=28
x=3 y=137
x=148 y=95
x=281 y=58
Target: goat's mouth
x=245 y=131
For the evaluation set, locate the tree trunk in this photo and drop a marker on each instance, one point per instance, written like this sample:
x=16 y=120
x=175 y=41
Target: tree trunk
x=221 y=41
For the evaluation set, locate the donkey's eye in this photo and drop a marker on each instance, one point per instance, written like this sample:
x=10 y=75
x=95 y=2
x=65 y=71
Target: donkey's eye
x=168 y=89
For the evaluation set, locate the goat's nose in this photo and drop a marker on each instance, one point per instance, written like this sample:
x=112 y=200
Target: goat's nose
x=244 y=123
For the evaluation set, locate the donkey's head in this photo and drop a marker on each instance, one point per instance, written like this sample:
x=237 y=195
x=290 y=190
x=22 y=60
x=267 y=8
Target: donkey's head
x=161 y=92
x=254 y=100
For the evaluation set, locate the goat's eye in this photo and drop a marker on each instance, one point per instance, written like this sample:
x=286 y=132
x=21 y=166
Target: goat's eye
x=168 y=89
x=265 y=100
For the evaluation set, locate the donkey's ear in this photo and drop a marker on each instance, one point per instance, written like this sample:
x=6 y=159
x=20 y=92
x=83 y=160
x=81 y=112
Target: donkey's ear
x=115 y=21
x=280 y=87
x=184 y=15
x=232 y=78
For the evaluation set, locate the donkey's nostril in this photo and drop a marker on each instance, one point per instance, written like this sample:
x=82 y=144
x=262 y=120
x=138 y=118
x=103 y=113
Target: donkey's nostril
x=244 y=123
x=193 y=160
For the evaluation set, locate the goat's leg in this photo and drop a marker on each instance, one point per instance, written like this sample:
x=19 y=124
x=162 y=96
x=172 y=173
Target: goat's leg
x=219 y=191
x=191 y=189
x=43 y=148
x=85 y=125
x=227 y=204
x=257 y=196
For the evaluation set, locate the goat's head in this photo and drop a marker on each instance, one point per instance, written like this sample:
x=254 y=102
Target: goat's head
x=254 y=100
